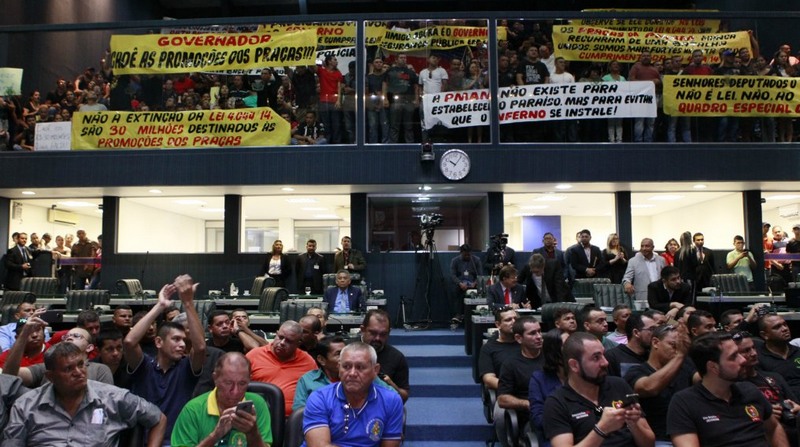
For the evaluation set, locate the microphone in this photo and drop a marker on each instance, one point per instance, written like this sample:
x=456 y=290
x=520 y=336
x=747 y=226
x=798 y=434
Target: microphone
x=341 y=331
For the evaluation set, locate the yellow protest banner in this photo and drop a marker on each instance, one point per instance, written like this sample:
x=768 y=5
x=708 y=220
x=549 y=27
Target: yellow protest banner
x=435 y=37
x=663 y=26
x=739 y=96
x=589 y=43
x=188 y=129
x=332 y=34
x=181 y=53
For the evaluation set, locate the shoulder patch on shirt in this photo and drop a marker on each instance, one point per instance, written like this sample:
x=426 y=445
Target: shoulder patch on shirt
x=375 y=429
x=752 y=411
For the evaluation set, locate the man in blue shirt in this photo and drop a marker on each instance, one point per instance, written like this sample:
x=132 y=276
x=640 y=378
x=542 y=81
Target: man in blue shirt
x=354 y=412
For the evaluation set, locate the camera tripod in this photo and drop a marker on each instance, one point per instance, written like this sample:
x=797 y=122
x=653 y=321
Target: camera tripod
x=428 y=271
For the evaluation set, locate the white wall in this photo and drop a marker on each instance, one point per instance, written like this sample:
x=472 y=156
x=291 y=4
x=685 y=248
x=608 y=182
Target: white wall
x=34 y=220
x=142 y=229
x=719 y=220
x=600 y=226
x=772 y=216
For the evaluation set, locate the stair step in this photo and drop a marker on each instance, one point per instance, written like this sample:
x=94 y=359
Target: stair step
x=446 y=419
x=469 y=391
x=431 y=362
x=440 y=376
x=444 y=444
x=431 y=337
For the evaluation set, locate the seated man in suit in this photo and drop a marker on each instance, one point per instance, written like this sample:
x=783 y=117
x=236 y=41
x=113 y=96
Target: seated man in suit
x=669 y=294
x=543 y=280
x=507 y=292
x=343 y=298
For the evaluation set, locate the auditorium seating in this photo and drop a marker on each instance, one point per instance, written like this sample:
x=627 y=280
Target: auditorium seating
x=584 y=287
x=259 y=283
x=39 y=285
x=609 y=295
x=730 y=283
x=294 y=429
x=131 y=287
x=271 y=298
x=296 y=309
x=80 y=300
x=277 y=410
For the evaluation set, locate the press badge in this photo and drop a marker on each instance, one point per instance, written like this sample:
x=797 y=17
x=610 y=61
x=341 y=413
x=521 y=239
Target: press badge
x=466 y=273
x=316 y=266
x=98 y=416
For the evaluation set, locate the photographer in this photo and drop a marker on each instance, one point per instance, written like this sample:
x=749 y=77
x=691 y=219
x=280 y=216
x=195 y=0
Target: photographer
x=499 y=254
x=741 y=261
x=463 y=273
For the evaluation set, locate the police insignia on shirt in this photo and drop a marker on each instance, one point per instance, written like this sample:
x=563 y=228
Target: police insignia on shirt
x=375 y=427
x=752 y=411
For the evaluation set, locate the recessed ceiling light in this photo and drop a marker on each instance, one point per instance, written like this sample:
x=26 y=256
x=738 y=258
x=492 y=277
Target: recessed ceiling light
x=564 y=186
x=665 y=197
x=76 y=204
x=189 y=202
x=784 y=197
x=155 y=191
x=549 y=198
x=423 y=199
x=314 y=208
x=287 y=189
x=301 y=200
x=425 y=188
x=533 y=207
x=28 y=193
x=700 y=186
x=212 y=210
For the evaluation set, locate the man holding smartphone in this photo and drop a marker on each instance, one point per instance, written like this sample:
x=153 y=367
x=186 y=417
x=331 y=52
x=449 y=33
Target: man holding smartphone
x=740 y=260
x=227 y=413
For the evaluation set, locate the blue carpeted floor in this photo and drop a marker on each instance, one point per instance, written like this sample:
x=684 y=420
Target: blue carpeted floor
x=444 y=409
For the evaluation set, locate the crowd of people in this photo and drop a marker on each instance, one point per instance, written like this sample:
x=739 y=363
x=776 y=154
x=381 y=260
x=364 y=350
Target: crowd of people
x=319 y=100
x=19 y=260
x=162 y=370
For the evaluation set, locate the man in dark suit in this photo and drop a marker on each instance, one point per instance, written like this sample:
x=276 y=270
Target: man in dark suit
x=585 y=258
x=670 y=293
x=507 y=292
x=544 y=281
x=309 y=268
x=18 y=263
x=550 y=252
x=344 y=298
x=705 y=263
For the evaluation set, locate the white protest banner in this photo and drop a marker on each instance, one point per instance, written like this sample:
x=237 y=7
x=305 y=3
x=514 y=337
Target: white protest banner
x=10 y=81
x=343 y=55
x=580 y=100
x=53 y=136
x=456 y=109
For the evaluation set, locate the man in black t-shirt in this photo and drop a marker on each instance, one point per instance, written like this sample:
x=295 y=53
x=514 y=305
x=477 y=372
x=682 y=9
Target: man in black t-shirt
x=721 y=410
x=666 y=372
x=621 y=358
x=495 y=351
x=516 y=372
x=219 y=325
x=771 y=385
x=590 y=405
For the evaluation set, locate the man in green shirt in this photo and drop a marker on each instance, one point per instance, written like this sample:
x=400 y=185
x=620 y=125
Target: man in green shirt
x=213 y=416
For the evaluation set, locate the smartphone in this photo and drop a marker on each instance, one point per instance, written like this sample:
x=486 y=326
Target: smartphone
x=246 y=406
x=629 y=400
x=52 y=316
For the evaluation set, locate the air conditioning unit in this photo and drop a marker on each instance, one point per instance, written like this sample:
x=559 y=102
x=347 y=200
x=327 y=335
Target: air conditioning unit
x=62 y=217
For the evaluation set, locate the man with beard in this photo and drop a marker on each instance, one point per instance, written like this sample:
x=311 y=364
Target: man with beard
x=666 y=372
x=333 y=415
x=590 y=405
x=771 y=385
x=721 y=410
x=516 y=372
x=393 y=365
x=639 y=330
x=776 y=354
x=281 y=362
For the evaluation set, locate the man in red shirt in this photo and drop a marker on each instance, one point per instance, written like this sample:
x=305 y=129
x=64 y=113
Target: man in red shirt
x=34 y=348
x=281 y=362
x=330 y=98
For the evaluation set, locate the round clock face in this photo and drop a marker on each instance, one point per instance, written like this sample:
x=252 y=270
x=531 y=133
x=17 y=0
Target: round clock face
x=455 y=164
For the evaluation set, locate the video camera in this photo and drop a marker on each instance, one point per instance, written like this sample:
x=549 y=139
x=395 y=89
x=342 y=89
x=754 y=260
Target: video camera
x=498 y=242
x=430 y=221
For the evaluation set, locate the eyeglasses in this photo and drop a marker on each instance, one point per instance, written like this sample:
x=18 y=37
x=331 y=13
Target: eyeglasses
x=660 y=331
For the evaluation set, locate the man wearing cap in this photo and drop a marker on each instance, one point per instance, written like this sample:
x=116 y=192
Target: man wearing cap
x=464 y=274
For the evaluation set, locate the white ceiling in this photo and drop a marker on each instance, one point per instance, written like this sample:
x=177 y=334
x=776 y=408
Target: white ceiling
x=331 y=202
